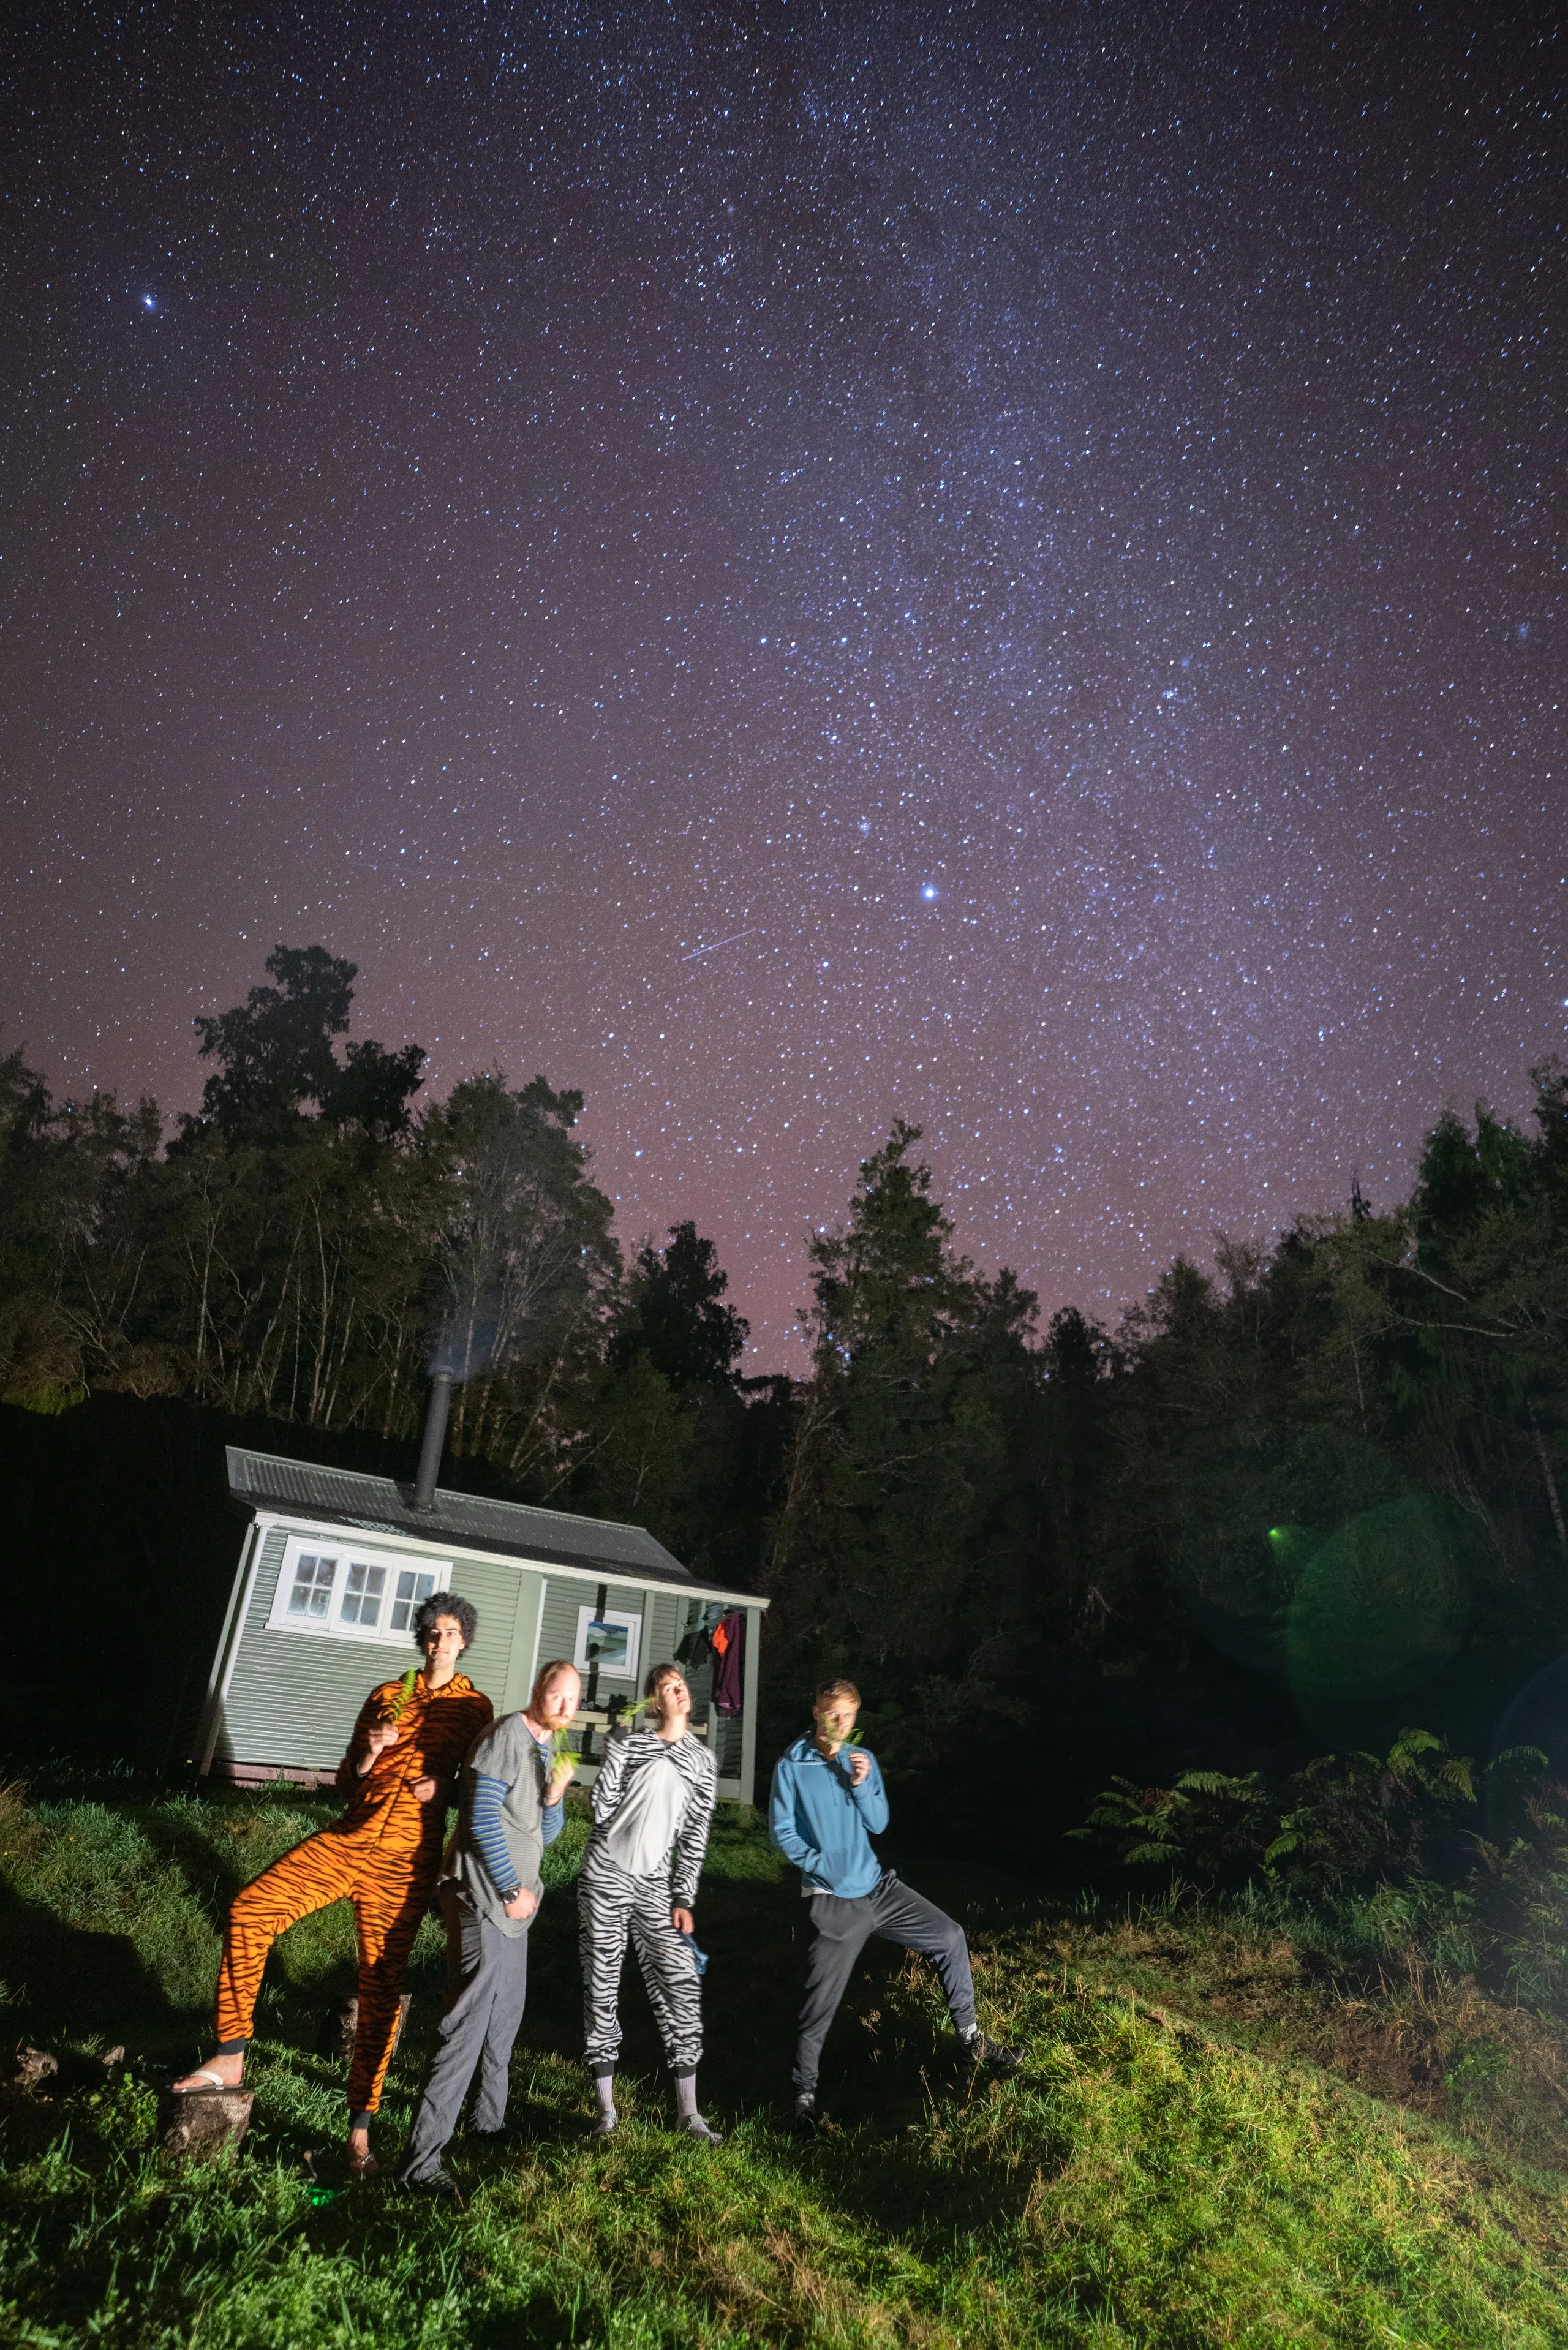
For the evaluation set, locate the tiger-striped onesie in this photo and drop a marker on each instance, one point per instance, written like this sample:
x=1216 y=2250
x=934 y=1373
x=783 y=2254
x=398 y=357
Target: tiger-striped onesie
x=383 y=1856
x=642 y=1860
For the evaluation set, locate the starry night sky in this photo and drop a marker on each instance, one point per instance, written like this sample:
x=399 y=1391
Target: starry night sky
x=787 y=563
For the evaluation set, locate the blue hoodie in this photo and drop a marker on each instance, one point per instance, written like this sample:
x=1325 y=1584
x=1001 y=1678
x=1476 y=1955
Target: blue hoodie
x=824 y=1825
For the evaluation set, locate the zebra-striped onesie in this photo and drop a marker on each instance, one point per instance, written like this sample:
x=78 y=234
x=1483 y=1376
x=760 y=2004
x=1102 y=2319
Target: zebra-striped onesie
x=632 y=1814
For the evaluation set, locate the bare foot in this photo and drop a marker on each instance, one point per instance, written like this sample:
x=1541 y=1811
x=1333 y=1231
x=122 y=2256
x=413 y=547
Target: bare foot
x=362 y=2163
x=217 y=2073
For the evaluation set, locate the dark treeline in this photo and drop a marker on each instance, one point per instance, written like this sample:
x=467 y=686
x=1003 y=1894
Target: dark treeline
x=1315 y=1485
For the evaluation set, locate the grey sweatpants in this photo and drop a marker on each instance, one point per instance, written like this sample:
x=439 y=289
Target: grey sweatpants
x=486 y=1987
x=840 y=1931
x=610 y=1906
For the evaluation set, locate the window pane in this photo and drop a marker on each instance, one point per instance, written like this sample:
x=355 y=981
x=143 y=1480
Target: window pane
x=413 y=1585
x=362 y=1598
x=313 y=1580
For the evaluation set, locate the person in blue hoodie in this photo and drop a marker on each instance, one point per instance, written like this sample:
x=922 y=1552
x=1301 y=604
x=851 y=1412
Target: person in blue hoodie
x=827 y=1802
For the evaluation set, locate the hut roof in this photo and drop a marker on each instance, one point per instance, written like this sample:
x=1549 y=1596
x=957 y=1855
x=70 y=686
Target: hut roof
x=345 y=1497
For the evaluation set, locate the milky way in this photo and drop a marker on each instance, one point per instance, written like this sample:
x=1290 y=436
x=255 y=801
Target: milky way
x=791 y=564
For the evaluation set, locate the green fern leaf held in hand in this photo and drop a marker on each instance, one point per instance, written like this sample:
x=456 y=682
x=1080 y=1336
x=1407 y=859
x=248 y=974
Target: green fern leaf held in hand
x=405 y=1692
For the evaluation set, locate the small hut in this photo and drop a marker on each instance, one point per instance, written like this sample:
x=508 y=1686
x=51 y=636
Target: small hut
x=333 y=1565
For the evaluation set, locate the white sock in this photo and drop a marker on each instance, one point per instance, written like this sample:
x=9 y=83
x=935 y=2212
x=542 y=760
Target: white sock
x=604 y=2090
x=685 y=2095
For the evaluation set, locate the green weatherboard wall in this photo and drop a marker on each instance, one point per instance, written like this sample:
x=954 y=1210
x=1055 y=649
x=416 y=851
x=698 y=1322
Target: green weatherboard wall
x=294 y=1697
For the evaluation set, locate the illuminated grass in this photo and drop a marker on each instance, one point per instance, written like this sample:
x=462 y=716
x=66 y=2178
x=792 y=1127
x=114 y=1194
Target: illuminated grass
x=1140 y=2183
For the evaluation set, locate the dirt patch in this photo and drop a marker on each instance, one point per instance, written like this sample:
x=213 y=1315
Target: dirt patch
x=1401 y=2058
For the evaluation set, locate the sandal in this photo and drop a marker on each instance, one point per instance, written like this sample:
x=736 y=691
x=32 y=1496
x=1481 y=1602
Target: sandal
x=203 y=2078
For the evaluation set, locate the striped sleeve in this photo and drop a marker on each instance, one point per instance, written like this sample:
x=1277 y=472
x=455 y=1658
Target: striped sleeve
x=690 y=1847
x=610 y=1785
x=487 y=1836
x=375 y=1708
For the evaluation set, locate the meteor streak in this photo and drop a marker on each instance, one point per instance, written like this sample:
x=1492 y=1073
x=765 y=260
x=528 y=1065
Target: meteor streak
x=752 y=933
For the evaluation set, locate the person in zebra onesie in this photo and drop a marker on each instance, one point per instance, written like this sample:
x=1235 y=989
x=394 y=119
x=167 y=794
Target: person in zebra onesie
x=653 y=1806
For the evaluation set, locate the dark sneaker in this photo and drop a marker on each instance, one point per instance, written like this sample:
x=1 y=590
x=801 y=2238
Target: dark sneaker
x=804 y=2119
x=436 y=2182
x=978 y=2049
x=694 y=2125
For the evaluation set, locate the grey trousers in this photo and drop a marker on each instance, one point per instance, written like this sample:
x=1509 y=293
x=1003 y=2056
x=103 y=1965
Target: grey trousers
x=840 y=1931
x=486 y=1987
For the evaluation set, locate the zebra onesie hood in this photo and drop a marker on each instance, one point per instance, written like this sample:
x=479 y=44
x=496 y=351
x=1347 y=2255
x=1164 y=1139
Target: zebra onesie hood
x=653 y=1806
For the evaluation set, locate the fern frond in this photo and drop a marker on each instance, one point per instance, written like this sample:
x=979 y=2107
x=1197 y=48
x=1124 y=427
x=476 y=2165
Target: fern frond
x=1216 y=1782
x=405 y=1692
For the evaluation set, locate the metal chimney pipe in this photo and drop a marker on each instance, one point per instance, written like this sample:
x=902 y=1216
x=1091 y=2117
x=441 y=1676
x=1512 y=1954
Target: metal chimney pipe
x=434 y=1442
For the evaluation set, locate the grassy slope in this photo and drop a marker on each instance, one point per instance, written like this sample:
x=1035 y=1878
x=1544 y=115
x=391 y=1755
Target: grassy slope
x=1145 y=2181
x=1388 y=2021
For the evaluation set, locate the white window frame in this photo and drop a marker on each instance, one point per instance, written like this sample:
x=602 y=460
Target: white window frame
x=347 y=1552
x=622 y=1616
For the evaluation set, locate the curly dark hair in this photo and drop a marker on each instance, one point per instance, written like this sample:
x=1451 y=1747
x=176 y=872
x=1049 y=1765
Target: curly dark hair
x=445 y=1603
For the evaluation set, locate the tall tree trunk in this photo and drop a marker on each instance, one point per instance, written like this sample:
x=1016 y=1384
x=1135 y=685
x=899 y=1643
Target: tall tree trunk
x=1548 y=1479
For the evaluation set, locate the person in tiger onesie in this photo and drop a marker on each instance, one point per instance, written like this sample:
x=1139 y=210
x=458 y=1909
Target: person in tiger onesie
x=384 y=1856
x=653 y=1806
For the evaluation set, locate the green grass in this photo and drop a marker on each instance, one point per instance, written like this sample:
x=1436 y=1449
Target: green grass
x=1149 y=2180
x=1291 y=1982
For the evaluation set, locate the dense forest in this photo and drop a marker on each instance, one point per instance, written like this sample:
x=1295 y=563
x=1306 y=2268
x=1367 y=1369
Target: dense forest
x=1315 y=1486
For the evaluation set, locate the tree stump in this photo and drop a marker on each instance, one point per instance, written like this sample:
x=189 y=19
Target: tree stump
x=196 y=2124
x=30 y=2067
x=335 y=2037
x=340 y=2026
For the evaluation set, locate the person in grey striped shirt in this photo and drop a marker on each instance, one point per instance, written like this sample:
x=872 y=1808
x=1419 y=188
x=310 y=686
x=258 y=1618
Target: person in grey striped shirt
x=513 y=1784
x=653 y=1806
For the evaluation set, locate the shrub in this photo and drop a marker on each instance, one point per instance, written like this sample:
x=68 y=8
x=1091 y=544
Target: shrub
x=1205 y=1827
x=1379 y=1847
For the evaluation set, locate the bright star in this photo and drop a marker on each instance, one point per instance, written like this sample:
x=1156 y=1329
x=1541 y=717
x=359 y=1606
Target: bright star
x=149 y=301
x=930 y=890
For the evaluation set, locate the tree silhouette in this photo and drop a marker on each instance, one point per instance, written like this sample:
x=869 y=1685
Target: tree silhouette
x=677 y=1317
x=274 y=1055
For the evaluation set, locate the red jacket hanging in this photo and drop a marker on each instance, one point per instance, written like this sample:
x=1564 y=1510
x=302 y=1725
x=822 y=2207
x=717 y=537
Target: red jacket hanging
x=727 y=1642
